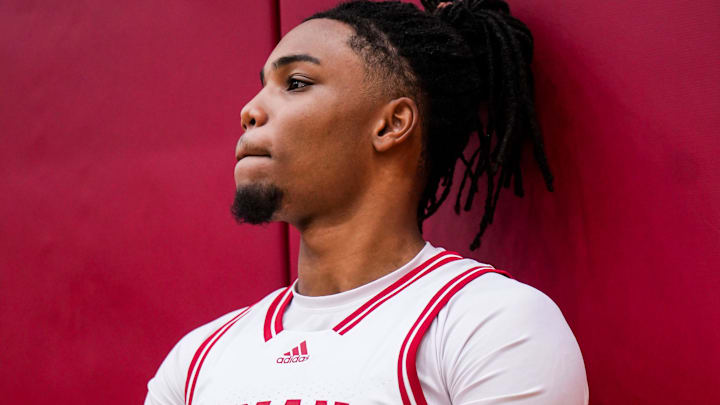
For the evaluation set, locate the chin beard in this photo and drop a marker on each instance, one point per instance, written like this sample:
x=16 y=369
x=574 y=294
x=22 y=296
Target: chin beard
x=256 y=203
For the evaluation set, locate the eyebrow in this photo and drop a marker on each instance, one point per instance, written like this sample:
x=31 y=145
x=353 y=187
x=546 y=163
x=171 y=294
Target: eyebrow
x=288 y=59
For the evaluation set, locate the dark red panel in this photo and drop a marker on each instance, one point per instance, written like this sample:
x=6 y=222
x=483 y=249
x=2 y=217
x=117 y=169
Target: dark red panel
x=629 y=242
x=119 y=122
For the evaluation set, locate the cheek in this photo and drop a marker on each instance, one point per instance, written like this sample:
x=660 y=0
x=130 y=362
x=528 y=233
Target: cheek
x=321 y=142
x=338 y=139
x=309 y=133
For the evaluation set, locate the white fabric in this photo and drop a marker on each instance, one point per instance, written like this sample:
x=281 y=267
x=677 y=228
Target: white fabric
x=497 y=341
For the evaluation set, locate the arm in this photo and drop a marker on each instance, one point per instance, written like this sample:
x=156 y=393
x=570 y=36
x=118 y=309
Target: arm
x=504 y=342
x=167 y=387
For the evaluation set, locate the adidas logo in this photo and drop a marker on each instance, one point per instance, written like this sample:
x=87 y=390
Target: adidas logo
x=298 y=354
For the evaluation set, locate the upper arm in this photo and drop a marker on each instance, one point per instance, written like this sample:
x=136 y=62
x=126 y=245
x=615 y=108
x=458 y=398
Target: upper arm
x=504 y=342
x=167 y=387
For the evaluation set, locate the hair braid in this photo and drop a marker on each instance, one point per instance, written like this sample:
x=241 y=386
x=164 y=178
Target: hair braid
x=453 y=59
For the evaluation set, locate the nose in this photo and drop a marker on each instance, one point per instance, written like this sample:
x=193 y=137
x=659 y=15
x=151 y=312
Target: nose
x=252 y=116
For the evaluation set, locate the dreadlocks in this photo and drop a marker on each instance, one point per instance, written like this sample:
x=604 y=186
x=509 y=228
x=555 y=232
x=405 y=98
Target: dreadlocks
x=452 y=59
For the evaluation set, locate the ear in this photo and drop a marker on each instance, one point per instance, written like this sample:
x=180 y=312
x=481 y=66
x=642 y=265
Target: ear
x=396 y=123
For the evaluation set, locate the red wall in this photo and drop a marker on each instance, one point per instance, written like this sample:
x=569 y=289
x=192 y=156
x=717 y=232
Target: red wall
x=119 y=122
x=118 y=125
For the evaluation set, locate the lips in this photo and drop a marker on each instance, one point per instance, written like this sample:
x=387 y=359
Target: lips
x=250 y=155
x=247 y=150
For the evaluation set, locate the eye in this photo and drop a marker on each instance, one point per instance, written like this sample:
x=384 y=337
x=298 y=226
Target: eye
x=295 y=84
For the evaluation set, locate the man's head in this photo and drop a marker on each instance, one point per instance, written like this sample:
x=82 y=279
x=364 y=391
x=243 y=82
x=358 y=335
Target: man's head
x=378 y=100
x=328 y=134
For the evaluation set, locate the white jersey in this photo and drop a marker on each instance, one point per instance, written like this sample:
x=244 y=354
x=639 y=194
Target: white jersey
x=442 y=329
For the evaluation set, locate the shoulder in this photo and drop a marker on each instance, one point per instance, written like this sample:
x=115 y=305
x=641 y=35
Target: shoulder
x=499 y=336
x=497 y=296
x=500 y=296
x=168 y=384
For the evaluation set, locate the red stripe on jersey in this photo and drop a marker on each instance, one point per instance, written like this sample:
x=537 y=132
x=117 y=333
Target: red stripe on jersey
x=202 y=346
x=353 y=319
x=408 y=351
x=303 y=348
x=267 y=329
x=202 y=360
x=281 y=311
x=212 y=338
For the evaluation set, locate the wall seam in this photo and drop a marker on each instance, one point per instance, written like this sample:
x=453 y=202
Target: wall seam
x=277 y=32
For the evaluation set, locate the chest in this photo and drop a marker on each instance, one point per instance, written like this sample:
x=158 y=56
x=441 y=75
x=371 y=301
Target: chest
x=367 y=358
x=357 y=367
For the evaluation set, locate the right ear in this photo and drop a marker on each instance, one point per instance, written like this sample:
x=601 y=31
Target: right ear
x=397 y=122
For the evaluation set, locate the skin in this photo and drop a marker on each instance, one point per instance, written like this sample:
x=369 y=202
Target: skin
x=344 y=155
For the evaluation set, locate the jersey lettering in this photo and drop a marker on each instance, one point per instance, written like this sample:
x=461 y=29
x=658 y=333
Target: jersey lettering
x=297 y=354
x=293 y=359
x=299 y=402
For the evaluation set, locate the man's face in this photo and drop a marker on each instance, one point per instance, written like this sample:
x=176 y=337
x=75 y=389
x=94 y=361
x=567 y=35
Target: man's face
x=312 y=121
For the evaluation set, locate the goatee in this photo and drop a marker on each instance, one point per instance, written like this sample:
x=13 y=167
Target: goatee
x=256 y=203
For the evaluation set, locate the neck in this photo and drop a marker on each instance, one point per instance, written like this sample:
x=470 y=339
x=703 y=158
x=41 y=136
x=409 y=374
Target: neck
x=338 y=257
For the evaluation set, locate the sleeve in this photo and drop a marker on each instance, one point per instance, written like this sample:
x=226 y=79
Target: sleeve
x=167 y=387
x=504 y=342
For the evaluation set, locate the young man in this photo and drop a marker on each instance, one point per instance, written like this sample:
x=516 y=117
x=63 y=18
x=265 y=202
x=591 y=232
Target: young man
x=363 y=112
